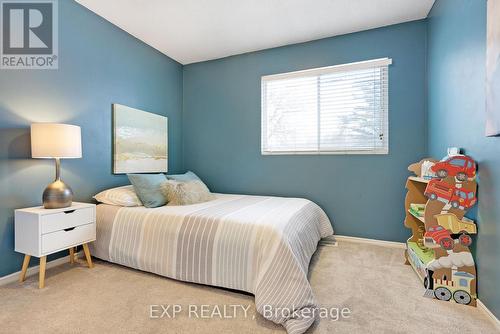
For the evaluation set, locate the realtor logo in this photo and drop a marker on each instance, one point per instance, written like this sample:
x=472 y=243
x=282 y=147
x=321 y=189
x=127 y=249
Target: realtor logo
x=28 y=34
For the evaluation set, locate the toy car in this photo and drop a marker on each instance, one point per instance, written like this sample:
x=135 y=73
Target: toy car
x=463 y=227
x=460 y=166
x=438 y=235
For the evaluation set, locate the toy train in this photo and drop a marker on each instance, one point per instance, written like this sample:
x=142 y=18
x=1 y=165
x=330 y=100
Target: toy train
x=458 y=287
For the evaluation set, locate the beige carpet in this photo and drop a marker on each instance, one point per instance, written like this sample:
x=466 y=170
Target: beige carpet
x=383 y=295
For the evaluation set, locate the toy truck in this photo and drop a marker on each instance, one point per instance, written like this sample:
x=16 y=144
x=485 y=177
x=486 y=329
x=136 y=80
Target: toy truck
x=460 y=166
x=463 y=199
x=463 y=227
x=447 y=193
x=438 y=236
x=439 y=190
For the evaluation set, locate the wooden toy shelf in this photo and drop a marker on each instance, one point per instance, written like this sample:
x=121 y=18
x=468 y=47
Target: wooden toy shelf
x=422 y=219
x=438 y=248
x=418 y=179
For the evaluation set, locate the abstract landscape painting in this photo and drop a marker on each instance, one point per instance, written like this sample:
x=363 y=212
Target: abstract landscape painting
x=140 y=141
x=493 y=69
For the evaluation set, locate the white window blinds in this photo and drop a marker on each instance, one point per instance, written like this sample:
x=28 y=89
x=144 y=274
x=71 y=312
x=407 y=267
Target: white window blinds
x=339 y=109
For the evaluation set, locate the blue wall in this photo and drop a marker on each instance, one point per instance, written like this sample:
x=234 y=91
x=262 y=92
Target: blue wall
x=362 y=194
x=99 y=65
x=456 y=71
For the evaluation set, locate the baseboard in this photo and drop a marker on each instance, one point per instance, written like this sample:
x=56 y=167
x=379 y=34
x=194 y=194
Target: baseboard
x=392 y=244
x=14 y=277
x=488 y=313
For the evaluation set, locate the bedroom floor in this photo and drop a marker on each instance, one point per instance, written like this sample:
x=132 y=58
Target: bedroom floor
x=383 y=295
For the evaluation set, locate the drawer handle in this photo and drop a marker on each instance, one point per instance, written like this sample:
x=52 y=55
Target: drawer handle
x=69 y=211
x=69 y=229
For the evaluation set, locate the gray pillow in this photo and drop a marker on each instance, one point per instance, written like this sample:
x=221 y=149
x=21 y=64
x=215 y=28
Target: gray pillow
x=147 y=188
x=189 y=176
x=185 y=193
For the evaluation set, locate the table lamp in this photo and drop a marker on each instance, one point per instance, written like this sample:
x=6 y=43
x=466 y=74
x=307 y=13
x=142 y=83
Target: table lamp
x=56 y=141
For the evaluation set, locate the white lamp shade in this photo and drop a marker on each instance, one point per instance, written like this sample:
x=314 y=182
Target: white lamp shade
x=49 y=140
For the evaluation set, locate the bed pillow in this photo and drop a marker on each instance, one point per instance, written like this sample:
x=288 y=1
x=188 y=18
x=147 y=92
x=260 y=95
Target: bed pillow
x=147 y=187
x=121 y=196
x=185 y=193
x=189 y=176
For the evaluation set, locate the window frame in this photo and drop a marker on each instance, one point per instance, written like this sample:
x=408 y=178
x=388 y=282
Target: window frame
x=374 y=63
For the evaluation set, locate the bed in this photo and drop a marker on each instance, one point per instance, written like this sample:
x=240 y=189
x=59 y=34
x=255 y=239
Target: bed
x=261 y=245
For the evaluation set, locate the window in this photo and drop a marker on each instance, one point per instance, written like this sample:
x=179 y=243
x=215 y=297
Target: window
x=458 y=162
x=339 y=109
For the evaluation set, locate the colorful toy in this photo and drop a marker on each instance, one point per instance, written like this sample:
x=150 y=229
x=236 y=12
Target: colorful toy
x=443 y=191
x=438 y=235
x=463 y=200
x=458 y=287
x=460 y=166
x=450 y=222
x=438 y=249
x=439 y=190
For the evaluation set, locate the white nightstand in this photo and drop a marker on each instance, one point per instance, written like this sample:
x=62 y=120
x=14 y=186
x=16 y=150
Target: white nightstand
x=40 y=232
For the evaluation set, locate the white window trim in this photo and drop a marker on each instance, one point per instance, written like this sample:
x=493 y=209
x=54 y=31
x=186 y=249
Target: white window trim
x=360 y=65
x=321 y=71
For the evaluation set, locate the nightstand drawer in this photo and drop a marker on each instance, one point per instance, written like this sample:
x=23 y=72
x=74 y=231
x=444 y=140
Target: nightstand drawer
x=64 y=239
x=66 y=219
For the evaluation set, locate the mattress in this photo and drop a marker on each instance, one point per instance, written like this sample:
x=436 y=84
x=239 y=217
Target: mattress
x=261 y=245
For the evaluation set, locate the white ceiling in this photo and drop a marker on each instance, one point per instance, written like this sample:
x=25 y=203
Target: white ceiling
x=197 y=30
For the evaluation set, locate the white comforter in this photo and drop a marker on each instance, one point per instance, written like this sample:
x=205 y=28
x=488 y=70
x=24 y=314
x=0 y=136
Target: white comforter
x=257 y=244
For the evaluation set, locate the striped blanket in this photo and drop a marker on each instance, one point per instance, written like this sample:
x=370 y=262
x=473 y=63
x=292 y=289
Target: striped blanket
x=256 y=244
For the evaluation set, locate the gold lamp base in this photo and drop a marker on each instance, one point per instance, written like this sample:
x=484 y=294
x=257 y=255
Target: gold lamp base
x=57 y=194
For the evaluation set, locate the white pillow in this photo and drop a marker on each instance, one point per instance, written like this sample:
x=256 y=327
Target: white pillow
x=121 y=196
